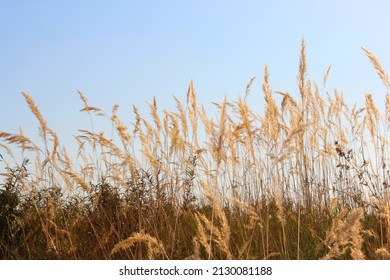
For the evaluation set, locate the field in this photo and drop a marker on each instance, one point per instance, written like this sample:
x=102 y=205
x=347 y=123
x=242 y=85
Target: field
x=305 y=179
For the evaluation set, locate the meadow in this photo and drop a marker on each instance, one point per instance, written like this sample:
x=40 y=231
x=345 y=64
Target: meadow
x=307 y=178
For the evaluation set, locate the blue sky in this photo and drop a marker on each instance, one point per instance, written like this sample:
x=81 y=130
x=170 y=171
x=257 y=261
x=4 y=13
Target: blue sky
x=126 y=52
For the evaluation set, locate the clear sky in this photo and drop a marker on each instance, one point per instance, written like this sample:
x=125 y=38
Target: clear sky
x=126 y=52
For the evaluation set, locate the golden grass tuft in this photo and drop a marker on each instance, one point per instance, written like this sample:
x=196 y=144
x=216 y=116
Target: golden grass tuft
x=345 y=236
x=155 y=248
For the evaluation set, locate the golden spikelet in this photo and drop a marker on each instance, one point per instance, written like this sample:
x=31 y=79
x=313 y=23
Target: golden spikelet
x=97 y=110
x=287 y=99
x=302 y=69
x=88 y=108
x=80 y=181
x=378 y=67
x=242 y=132
x=248 y=87
x=220 y=214
x=281 y=214
x=8 y=152
x=218 y=148
x=55 y=144
x=372 y=115
x=20 y=140
x=270 y=122
x=254 y=220
x=154 y=113
x=192 y=108
x=122 y=130
x=155 y=247
x=319 y=101
x=34 y=109
x=346 y=235
x=83 y=98
x=113 y=149
x=182 y=116
x=137 y=125
x=177 y=142
x=371 y=108
x=356 y=240
x=326 y=75
x=219 y=234
x=383 y=208
x=215 y=233
x=201 y=233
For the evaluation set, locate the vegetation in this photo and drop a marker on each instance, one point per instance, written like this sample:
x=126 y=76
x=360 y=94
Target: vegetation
x=308 y=179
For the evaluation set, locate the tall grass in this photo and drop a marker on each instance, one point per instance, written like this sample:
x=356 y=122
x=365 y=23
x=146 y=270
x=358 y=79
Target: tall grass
x=305 y=179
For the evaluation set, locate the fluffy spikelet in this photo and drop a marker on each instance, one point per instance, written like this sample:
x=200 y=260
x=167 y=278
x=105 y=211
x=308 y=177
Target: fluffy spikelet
x=378 y=67
x=137 y=125
x=177 y=142
x=346 y=235
x=270 y=121
x=34 y=109
x=8 y=152
x=88 y=108
x=155 y=247
x=354 y=223
x=220 y=214
x=370 y=106
x=254 y=217
x=154 y=113
x=201 y=233
x=281 y=215
x=218 y=148
x=246 y=127
x=192 y=112
x=326 y=75
x=249 y=86
x=219 y=234
x=287 y=102
x=55 y=144
x=372 y=115
x=83 y=98
x=302 y=69
x=182 y=116
x=20 y=140
x=383 y=208
x=122 y=130
x=112 y=148
x=80 y=181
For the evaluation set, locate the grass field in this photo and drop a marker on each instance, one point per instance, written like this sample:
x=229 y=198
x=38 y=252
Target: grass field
x=305 y=179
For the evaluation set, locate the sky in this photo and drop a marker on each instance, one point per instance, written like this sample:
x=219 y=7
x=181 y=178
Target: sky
x=126 y=52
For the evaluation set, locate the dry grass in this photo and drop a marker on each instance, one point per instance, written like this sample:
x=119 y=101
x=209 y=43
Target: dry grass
x=154 y=248
x=306 y=179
